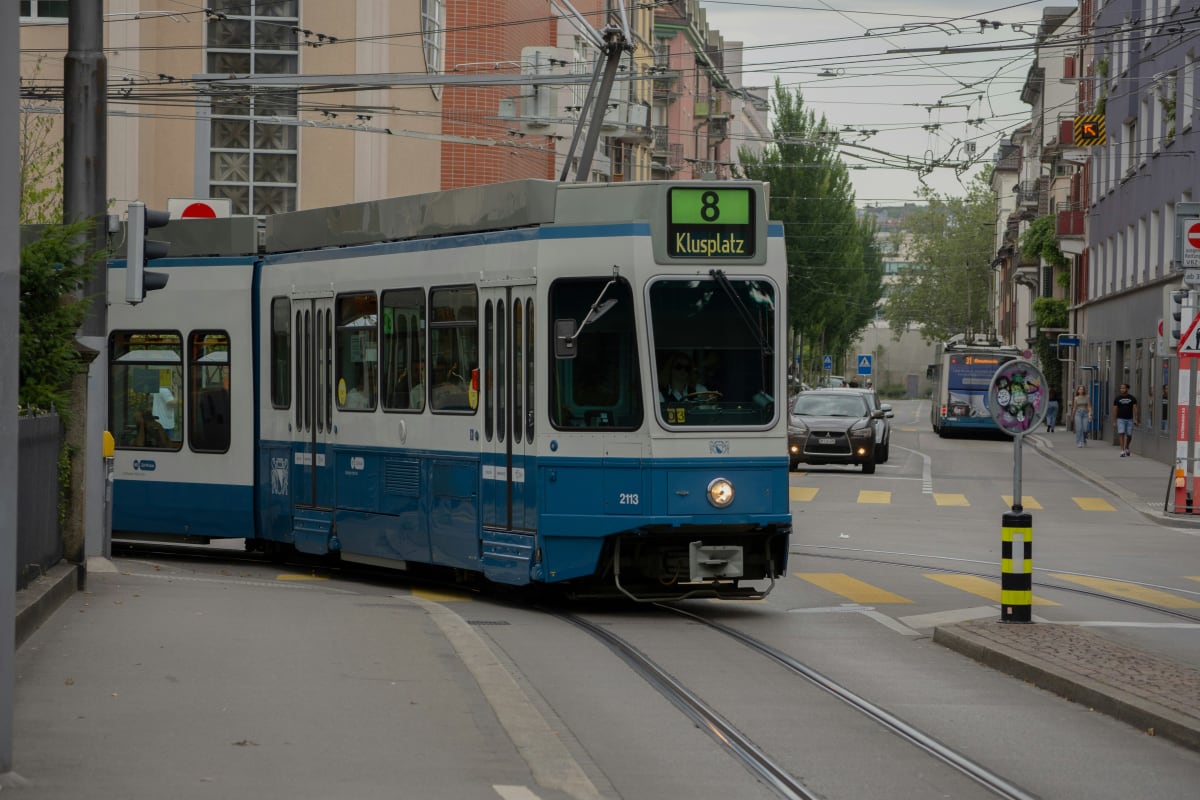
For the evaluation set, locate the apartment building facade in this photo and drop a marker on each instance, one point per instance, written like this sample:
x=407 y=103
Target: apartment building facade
x=291 y=104
x=1117 y=205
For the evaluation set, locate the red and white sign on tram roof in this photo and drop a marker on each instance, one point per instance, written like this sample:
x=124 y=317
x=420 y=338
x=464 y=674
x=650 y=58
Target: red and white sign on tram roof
x=199 y=207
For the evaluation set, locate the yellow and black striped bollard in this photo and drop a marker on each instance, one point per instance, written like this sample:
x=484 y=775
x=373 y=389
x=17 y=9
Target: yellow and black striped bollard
x=1016 y=568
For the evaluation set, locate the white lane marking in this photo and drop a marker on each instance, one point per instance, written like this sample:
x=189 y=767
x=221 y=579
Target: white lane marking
x=888 y=622
x=515 y=792
x=926 y=469
x=867 y=611
x=1107 y=624
x=949 y=617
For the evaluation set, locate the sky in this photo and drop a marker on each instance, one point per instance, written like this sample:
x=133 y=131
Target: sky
x=902 y=109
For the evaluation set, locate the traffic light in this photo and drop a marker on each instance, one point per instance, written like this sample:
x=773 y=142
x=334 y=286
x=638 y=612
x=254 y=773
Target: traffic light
x=139 y=250
x=1181 y=315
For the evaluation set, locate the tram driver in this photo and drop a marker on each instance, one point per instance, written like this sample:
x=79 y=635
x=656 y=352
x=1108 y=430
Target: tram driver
x=676 y=378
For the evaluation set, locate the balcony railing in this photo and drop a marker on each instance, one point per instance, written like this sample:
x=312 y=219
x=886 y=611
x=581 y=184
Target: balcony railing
x=1028 y=193
x=1069 y=223
x=661 y=139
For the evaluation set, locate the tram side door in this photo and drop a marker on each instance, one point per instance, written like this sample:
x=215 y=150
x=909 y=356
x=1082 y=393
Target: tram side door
x=509 y=471
x=312 y=426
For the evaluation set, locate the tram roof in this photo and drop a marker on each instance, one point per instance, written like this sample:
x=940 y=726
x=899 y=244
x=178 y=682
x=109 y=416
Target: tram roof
x=490 y=207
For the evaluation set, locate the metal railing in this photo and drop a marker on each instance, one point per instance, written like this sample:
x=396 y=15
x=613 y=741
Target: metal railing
x=39 y=539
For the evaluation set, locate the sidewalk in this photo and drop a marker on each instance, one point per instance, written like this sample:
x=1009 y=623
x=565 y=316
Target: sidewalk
x=1156 y=695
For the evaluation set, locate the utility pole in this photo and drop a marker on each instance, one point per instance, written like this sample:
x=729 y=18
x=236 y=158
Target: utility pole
x=10 y=350
x=85 y=164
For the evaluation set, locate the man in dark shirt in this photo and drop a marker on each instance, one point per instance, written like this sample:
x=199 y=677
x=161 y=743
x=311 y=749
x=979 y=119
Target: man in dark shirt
x=1125 y=416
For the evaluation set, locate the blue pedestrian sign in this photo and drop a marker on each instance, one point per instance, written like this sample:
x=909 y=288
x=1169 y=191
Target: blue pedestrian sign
x=864 y=364
x=827 y=363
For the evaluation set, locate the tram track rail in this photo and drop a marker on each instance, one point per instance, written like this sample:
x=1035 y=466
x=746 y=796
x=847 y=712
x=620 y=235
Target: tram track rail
x=743 y=748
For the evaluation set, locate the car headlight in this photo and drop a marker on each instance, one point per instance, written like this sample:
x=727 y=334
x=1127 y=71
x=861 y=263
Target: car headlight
x=861 y=430
x=720 y=492
x=797 y=426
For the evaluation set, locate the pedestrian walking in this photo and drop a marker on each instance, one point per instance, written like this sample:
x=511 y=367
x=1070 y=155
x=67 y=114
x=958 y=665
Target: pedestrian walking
x=1081 y=411
x=1125 y=415
x=1052 y=410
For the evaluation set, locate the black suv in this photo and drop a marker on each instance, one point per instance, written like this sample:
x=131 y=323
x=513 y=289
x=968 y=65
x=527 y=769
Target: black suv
x=834 y=426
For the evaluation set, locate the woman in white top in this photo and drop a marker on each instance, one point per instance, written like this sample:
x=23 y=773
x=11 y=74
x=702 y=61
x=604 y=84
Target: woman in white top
x=1081 y=408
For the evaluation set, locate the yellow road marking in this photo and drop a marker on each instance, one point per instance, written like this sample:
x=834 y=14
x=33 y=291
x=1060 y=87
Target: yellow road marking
x=870 y=496
x=440 y=597
x=1131 y=591
x=289 y=576
x=1193 y=577
x=1026 y=502
x=851 y=588
x=802 y=493
x=944 y=499
x=1093 y=504
x=983 y=587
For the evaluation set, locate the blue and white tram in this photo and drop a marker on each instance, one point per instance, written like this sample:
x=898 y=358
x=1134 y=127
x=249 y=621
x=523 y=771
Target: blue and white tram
x=478 y=380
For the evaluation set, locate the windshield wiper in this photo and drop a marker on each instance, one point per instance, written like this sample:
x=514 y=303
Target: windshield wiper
x=719 y=276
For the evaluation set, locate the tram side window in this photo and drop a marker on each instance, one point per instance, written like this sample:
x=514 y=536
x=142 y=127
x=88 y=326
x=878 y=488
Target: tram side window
x=145 y=385
x=357 y=351
x=281 y=352
x=454 y=348
x=600 y=387
x=208 y=391
x=403 y=335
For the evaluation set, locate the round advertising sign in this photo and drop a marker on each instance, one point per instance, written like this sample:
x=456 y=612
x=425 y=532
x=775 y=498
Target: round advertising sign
x=1017 y=397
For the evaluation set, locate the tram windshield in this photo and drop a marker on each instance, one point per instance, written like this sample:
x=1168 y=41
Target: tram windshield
x=713 y=346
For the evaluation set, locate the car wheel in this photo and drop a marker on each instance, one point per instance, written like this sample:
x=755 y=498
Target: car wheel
x=792 y=465
x=887 y=453
x=879 y=456
x=868 y=468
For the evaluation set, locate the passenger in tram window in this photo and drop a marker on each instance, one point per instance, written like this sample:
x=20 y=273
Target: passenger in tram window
x=150 y=431
x=360 y=396
x=416 y=395
x=164 y=410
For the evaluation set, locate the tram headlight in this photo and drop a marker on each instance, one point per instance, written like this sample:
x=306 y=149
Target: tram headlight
x=720 y=492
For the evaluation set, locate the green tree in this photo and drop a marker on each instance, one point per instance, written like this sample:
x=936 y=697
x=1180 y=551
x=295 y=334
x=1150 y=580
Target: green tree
x=40 y=171
x=1049 y=312
x=834 y=269
x=946 y=289
x=53 y=270
x=1040 y=242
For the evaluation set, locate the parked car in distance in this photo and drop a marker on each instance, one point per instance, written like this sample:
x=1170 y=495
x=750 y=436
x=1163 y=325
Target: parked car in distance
x=833 y=426
x=833 y=381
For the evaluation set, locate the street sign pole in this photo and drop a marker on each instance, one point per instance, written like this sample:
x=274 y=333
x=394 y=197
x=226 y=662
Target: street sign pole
x=1017 y=398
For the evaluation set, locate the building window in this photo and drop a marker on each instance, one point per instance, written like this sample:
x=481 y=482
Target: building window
x=1188 y=90
x=1129 y=148
x=433 y=34
x=253 y=152
x=44 y=9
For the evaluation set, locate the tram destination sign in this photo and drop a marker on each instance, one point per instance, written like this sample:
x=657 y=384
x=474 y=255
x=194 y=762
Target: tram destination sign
x=711 y=223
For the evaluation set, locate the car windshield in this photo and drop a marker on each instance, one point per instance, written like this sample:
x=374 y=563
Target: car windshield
x=828 y=405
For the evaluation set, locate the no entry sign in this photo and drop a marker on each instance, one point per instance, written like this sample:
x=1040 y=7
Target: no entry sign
x=1191 y=243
